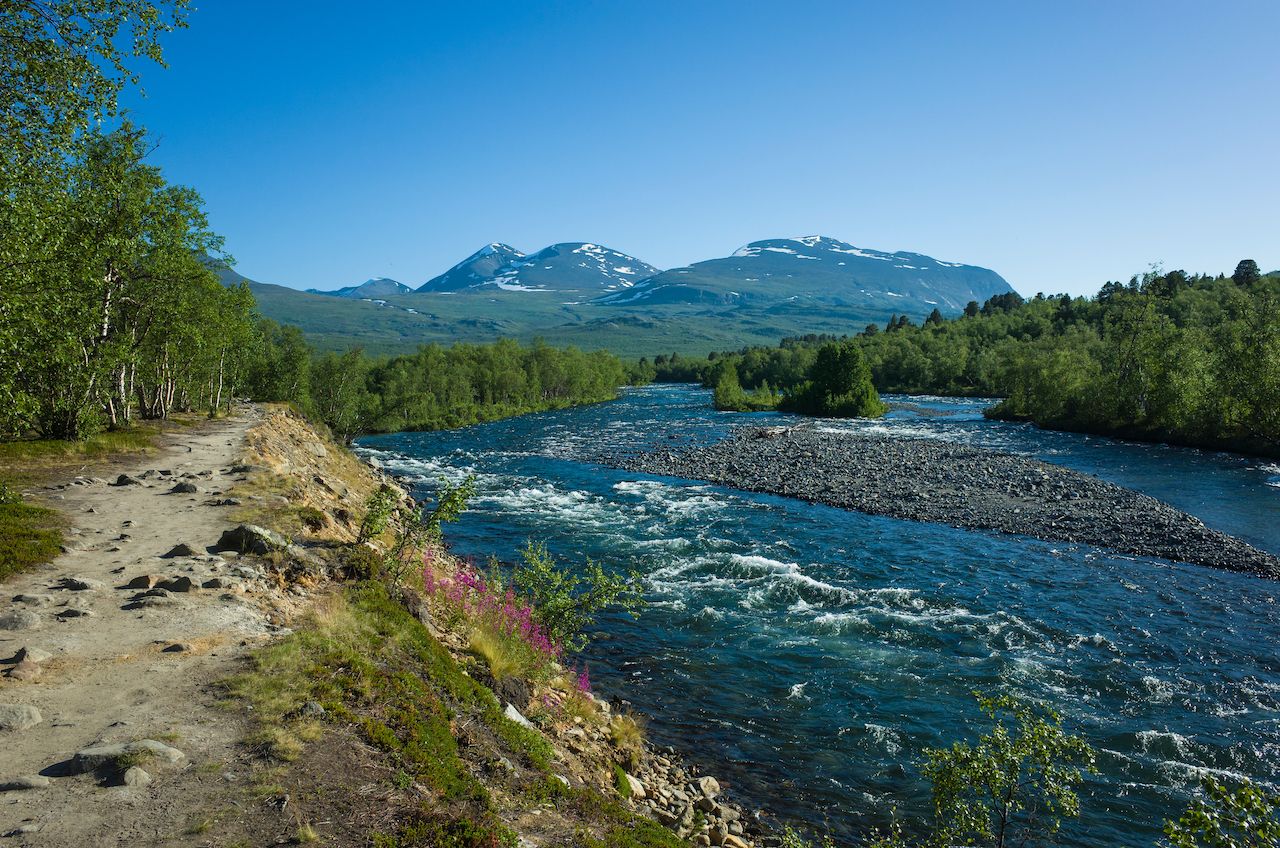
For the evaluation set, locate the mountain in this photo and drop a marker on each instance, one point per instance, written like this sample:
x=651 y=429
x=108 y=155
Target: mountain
x=817 y=270
x=570 y=267
x=477 y=269
x=372 y=289
x=594 y=297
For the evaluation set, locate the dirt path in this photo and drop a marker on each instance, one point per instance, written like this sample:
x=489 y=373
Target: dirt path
x=107 y=664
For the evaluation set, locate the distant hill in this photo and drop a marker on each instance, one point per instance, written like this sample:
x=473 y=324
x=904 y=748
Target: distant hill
x=596 y=297
x=819 y=270
x=371 y=289
x=575 y=267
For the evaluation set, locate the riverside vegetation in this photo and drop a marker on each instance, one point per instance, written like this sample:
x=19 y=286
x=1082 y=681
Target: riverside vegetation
x=1170 y=356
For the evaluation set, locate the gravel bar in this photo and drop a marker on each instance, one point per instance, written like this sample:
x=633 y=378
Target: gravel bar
x=960 y=485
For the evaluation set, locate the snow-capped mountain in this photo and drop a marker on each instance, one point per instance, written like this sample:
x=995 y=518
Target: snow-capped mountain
x=371 y=289
x=815 y=270
x=582 y=267
x=477 y=269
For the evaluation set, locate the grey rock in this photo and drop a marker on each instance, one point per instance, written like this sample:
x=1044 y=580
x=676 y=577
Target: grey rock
x=250 y=538
x=33 y=600
x=126 y=480
x=77 y=583
x=73 y=612
x=16 y=717
x=101 y=756
x=19 y=619
x=182 y=549
x=312 y=709
x=177 y=648
x=35 y=655
x=217 y=583
x=26 y=670
x=182 y=583
x=25 y=782
x=512 y=713
x=142 y=581
x=135 y=777
x=317 y=449
x=184 y=489
x=23 y=830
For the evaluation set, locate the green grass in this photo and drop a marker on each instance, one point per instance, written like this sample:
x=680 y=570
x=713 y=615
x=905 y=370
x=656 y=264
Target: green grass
x=56 y=451
x=29 y=536
x=375 y=667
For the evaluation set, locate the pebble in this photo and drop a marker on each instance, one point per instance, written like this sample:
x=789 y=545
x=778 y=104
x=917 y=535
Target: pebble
x=951 y=483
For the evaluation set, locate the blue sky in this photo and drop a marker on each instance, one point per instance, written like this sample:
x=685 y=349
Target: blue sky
x=1062 y=144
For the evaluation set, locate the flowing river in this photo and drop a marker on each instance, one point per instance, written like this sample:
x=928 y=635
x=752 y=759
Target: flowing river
x=807 y=655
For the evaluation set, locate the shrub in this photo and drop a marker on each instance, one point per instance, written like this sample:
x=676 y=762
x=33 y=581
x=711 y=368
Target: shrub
x=1244 y=817
x=378 y=510
x=564 y=603
x=1017 y=782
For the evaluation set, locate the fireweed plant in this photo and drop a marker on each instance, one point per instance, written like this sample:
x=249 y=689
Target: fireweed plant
x=497 y=614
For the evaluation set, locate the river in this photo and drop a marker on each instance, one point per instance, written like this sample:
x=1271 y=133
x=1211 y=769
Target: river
x=808 y=655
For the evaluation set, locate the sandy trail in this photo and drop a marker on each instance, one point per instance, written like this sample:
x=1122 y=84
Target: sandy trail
x=108 y=677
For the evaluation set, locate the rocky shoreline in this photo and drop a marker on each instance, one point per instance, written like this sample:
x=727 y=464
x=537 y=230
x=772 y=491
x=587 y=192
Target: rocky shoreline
x=959 y=485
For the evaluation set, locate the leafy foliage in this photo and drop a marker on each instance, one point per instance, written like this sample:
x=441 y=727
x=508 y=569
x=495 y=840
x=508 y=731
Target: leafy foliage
x=1167 y=357
x=837 y=385
x=1244 y=817
x=1014 y=785
x=565 y=602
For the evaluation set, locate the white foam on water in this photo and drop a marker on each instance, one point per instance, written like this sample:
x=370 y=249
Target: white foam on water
x=797 y=692
x=885 y=737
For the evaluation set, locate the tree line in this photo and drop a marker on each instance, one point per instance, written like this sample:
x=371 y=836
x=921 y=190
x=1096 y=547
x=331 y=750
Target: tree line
x=1168 y=356
x=434 y=388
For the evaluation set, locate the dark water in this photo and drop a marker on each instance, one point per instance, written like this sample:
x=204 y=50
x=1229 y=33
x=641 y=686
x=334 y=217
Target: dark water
x=808 y=654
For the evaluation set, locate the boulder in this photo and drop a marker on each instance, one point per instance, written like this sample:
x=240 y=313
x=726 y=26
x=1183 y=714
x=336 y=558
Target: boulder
x=184 y=489
x=709 y=786
x=251 y=539
x=142 y=581
x=15 y=717
x=103 y=756
x=182 y=549
x=136 y=777
x=126 y=480
x=182 y=583
x=77 y=583
x=19 y=619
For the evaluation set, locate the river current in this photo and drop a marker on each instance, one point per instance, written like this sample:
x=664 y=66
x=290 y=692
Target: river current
x=807 y=655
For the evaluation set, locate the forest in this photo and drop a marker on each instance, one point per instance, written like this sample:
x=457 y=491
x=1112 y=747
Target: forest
x=1168 y=356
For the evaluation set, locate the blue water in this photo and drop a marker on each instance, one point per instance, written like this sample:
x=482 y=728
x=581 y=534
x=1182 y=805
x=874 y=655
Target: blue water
x=807 y=655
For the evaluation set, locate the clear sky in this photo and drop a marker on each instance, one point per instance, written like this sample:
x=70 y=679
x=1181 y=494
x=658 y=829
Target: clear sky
x=1060 y=143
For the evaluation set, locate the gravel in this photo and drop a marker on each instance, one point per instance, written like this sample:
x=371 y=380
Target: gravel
x=960 y=485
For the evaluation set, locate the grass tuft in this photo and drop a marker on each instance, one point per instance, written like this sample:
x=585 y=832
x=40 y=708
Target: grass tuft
x=626 y=732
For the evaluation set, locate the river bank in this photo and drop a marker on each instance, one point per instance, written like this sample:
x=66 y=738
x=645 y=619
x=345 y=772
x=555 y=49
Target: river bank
x=954 y=484
x=177 y=677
